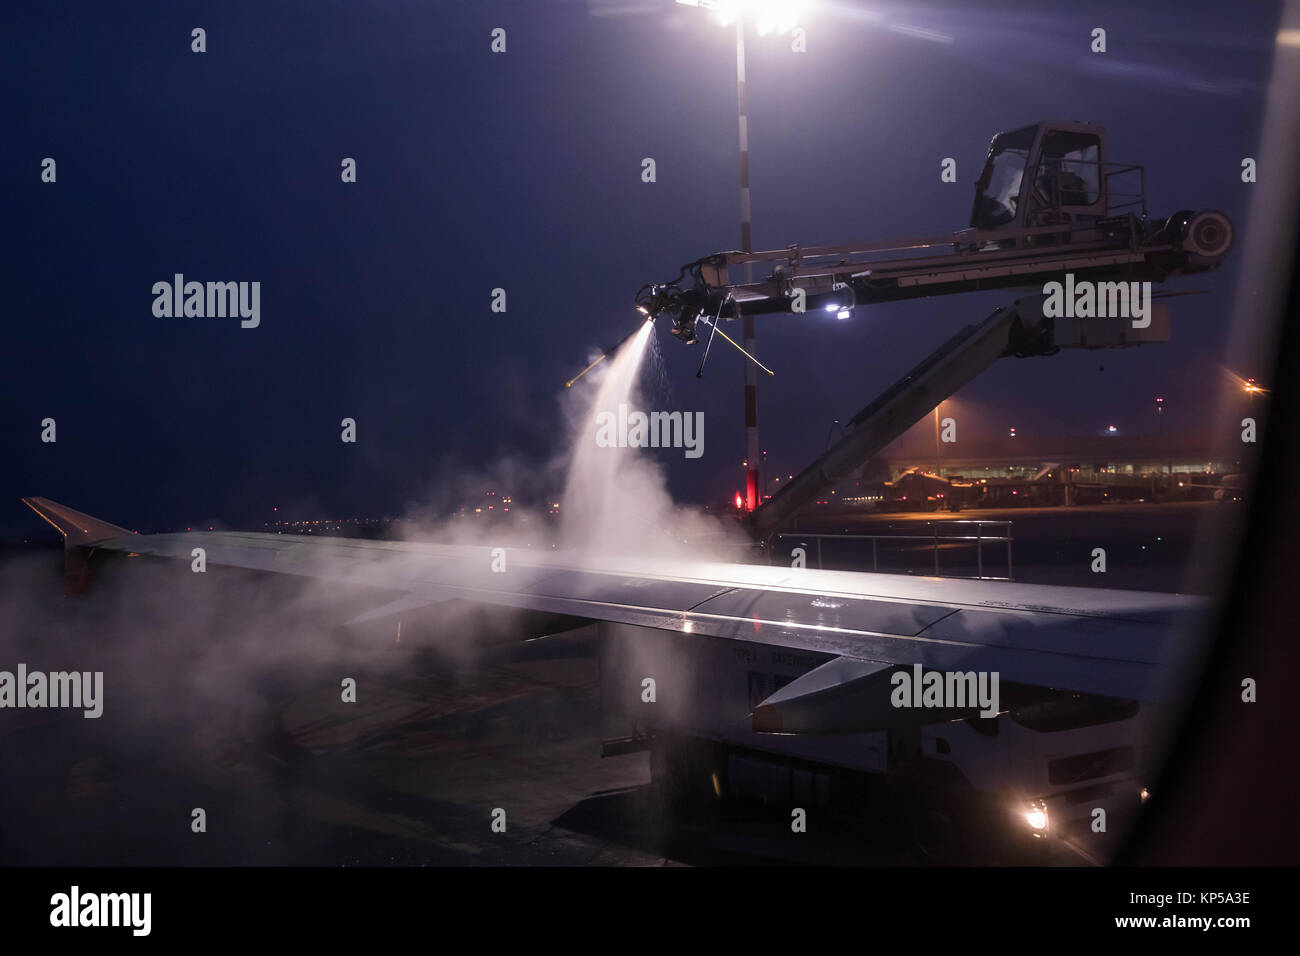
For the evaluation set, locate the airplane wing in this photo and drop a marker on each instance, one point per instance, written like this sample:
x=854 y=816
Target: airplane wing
x=1095 y=641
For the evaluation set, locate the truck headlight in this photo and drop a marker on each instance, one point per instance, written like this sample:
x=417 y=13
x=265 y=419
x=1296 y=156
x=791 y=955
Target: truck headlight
x=1035 y=814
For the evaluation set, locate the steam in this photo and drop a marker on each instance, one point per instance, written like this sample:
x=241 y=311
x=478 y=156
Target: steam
x=602 y=481
x=615 y=501
x=205 y=672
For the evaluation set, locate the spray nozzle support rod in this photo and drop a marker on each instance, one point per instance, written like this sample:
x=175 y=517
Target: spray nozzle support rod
x=709 y=322
x=606 y=353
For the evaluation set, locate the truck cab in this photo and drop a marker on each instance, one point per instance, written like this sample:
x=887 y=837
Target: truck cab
x=1056 y=758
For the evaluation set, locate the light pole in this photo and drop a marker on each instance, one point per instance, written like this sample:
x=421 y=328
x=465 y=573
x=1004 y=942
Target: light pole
x=752 y=497
x=772 y=16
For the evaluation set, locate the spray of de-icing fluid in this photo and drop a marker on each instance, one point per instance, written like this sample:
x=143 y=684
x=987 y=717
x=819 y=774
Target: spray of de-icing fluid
x=615 y=499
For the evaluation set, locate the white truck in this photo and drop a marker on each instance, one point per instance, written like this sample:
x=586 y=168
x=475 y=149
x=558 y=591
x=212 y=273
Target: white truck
x=966 y=788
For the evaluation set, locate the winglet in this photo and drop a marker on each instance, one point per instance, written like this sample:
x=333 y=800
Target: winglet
x=77 y=528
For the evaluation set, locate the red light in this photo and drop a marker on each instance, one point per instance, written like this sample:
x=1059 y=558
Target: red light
x=740 y=502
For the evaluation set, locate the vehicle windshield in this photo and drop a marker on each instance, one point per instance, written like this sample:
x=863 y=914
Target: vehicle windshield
x=1047 y=711
x=999 y=186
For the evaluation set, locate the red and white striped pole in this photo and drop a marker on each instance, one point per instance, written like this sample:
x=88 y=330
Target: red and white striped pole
x=752 y=488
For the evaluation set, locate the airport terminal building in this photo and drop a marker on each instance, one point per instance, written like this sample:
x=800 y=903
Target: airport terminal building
x=1027 y=456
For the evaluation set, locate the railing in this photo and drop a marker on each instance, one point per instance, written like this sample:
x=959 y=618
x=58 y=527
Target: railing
x=977 y=541
x=1138 y=198
x=1116 y=198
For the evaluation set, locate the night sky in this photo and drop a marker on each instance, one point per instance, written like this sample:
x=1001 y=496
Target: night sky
x=522 y=171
